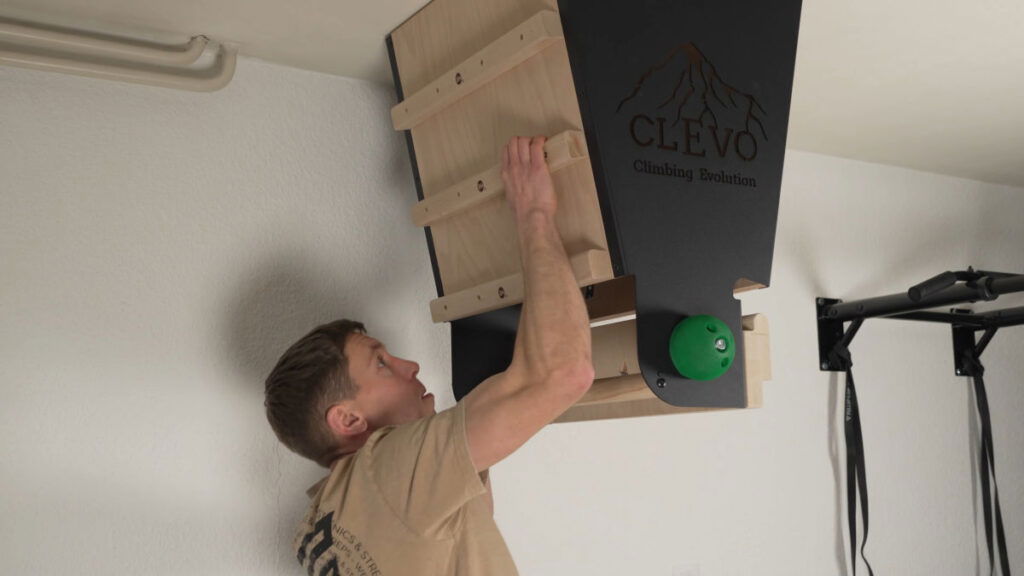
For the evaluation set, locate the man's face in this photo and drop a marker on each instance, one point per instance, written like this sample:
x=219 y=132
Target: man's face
x=389 y=392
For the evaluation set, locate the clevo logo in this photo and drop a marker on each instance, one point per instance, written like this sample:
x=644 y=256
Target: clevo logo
x=683 y=105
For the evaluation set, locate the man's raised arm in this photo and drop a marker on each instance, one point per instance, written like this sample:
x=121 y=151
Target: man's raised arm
x=551 y=367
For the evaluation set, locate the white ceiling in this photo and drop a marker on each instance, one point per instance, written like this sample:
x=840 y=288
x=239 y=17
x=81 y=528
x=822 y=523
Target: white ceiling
x=935 y=86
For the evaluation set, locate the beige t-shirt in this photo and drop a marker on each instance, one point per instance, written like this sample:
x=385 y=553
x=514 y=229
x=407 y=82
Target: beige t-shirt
x=409 y=502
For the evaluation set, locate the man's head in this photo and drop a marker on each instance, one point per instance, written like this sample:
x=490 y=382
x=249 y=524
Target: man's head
x=335 y=386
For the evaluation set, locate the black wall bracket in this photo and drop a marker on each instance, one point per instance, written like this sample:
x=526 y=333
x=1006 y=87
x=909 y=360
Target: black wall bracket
x=830 y=333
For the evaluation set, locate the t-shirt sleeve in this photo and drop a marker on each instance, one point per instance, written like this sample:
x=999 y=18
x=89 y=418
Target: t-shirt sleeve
x=424 y=471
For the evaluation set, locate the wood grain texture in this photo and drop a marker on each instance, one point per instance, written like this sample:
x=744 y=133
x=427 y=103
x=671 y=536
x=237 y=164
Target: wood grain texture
x=445 y=32
x=479 y=245
x=589 y=267
x=561 y=150
x=510 y=50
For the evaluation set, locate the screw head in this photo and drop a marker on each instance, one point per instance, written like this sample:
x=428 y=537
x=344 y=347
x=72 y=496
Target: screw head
x=721 y=344
x=959 y=371
x=501 y=292
x=458 y=78
x=480 y=186
x=661 y=382
x=824 y=365
x=821 y=301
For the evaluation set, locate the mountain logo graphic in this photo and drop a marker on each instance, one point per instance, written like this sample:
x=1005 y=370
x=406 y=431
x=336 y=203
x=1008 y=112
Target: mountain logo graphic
x=683 y=104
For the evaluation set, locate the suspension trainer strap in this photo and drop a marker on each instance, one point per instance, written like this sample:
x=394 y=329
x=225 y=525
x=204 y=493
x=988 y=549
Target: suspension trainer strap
x=989 y=486
x=856 y=474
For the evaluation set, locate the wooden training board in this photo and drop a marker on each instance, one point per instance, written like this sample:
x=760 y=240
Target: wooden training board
x=471 y=121
x=472 y=74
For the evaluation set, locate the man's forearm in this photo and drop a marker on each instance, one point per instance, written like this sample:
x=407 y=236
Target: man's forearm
x=554 y=330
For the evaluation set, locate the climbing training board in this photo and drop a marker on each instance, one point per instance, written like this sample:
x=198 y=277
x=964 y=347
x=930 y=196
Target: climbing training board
x=666 y=126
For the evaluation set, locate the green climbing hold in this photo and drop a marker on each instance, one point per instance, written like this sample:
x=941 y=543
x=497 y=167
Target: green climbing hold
x=702 y=347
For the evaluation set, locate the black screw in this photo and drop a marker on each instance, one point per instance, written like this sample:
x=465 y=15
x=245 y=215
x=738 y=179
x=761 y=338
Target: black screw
x=661 y=382
x=480 y=186
x=458 y=78
x=501 y=292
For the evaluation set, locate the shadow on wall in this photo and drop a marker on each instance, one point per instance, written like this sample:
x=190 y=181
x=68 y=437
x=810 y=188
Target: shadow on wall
x=277 y=304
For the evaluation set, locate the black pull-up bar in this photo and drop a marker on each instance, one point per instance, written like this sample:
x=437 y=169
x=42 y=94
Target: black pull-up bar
x=941 y=290
x=947 y=288
x=994 y=319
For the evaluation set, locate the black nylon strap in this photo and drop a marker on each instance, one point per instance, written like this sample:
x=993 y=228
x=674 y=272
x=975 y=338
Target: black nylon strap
x=989 y=486
x=856 y=474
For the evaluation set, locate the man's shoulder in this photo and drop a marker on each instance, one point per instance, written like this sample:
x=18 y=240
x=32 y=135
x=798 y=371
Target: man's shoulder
x=442 y=422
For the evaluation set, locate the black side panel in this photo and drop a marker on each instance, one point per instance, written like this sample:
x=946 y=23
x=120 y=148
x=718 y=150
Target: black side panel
x=482 y=346
x=686 y=107
x=415 y=169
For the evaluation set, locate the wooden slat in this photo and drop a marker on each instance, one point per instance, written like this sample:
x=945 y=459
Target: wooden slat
x=652 y=406
x=511 y=49
x=561 y=150
x=617 y=298
x=589 y=267
x=746 y=285
x=466 y=138
x=445 y=32
x=628 y=396
x=758 y=355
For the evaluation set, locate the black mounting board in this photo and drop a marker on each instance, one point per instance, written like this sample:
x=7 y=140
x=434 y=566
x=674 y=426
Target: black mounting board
x=482 y=346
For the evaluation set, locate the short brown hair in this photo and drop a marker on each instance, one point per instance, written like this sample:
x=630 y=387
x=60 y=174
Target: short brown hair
x=308 y=378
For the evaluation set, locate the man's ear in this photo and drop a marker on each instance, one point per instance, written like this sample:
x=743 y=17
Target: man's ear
x=344 y=420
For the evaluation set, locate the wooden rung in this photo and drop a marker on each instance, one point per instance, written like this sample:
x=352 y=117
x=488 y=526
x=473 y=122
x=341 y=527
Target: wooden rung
x=589 y=267
x=515 y=47
x=561 y=150
x=758 y=356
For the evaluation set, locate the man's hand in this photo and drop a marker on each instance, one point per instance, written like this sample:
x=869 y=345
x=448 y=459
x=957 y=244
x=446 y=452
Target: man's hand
x=528 y=185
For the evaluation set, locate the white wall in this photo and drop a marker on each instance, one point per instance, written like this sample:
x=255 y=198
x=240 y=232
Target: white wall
x=159 y=249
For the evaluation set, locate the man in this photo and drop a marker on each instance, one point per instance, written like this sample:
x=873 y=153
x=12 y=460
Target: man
x=408 y=490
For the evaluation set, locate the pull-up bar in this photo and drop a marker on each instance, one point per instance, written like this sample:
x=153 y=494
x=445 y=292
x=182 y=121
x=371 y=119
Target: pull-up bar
x=941 y=290
x=994 y=319
x=944 y=289
x=948 y=288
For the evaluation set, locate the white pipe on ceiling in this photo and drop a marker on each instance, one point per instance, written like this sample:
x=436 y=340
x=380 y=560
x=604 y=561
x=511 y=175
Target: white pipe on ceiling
x=24 y=34
x=126 y=60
